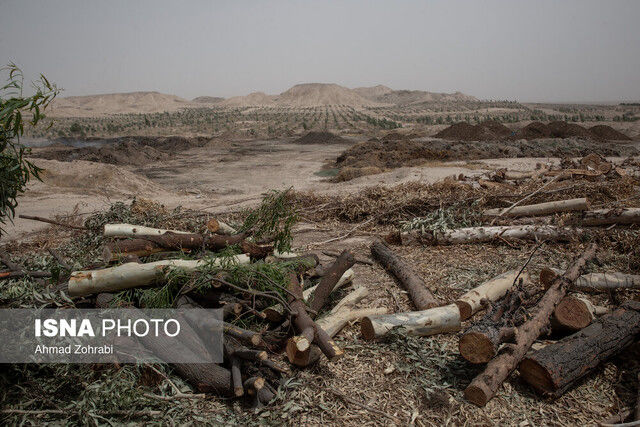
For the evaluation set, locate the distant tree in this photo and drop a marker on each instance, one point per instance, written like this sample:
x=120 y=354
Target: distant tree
x=75 y=128
x=15 y=169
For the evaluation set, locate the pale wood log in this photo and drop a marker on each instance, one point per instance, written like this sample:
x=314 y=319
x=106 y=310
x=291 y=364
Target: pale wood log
x=419 y=323
x=132 y=275
x=276 y=312
x=557 y=367
x=491 y=290
x=611 y=216
x=490 y=233
x=574 y=313
x=594 y=282
x=546 y=208
x=130 y=230
x=484 y=386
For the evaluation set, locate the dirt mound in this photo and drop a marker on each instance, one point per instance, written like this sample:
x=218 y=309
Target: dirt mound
x=116 y=103
x=375 y=155
x=533 y=130
x=321 y=138
x=607 y=133
x=486 y=131
x=567 y=130
x=134 y=151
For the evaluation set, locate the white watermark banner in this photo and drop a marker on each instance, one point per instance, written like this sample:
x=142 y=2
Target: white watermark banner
x=111 y=335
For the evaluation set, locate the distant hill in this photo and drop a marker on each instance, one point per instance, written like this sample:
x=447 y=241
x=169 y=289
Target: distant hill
x=116 y=103
x=255 y=98
x=304 y=95
x=385 y=95
x=207 y=99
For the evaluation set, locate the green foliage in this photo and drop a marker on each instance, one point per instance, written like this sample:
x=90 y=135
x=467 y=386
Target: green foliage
x=274 y=218
x=443 y=219
x=15 y=170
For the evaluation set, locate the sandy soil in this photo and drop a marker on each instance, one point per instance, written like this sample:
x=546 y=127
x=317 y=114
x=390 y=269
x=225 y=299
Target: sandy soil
x=217 y=178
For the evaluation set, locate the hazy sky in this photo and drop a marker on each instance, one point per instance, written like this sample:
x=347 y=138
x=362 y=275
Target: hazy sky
x=521 y=50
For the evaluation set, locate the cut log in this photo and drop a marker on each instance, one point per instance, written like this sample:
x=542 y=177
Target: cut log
x=491 y=290
x=603 y=282
x=132 y=275
x=555 y=368
x=329 y=281
x=547 y=208
x=276 y=312
x=299 y=347
x=129 y=230
x=236 y=376
x=611 y=216
x=419 y=323
x=484 y=386
x=594 y=282
x=511 y=232
x=574 y=313
x=420 y=295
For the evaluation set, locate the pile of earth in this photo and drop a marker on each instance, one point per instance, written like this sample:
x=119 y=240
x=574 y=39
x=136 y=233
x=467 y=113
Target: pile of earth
x=375 y=156
x=134 y=151
x=491 y=130
x=486 y=131
x=321 y=138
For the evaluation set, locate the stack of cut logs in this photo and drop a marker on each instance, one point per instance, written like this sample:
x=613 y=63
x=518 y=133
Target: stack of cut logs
x=248 y=355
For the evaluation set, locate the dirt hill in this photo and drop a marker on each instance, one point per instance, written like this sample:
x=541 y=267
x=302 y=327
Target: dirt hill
x=373 y=92
x=253 y=99
x=408 y=97
x=116 y=103
x=207 y=99
x=310 y=94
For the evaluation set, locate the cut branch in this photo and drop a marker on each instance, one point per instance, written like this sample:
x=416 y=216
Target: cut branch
x=574 y=313
x=420 y=323
x=329 y=280
x=491 y=290
x=505 y=233
x=546 y=208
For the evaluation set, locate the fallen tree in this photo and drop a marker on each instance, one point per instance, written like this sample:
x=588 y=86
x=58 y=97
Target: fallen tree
x=547 y=208
x=420 y=323
x=484 y=386
x=594 y=282
x=556 y=367
x=420 y=295
x=491 y=233
x=492 y=290
x=132 y=275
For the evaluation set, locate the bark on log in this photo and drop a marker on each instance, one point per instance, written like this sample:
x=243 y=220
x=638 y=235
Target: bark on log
x=130 y=275
x=491 y=290
x=299 y=347
x=490 y=233
x=546 y=208
x=594 y=282
x=329 y=281
x=555 y=368
x=17 y=274
x=611 y=216
x=419 y=323
x=484 y=386
x=420 y=295
x=574 y=313
x=276 y=313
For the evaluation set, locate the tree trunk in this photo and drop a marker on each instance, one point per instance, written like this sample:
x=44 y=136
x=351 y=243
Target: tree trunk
x=129 y=230
x=299 y=347
x=275 y=313
x=574 y=313
x=419 y=323
x=511 y=232
x=329 y=281
x=484 y=386
x=491 y=290
x=555 y=368
x=420 y=295
x=130 y=275
x=594 y=282
x=546 y=208
x=611 y=216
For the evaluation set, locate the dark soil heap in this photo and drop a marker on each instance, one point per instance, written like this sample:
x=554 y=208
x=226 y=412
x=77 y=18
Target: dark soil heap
x=486 y=131
x=491 y=130
x=321 y=138
x=135 y=151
